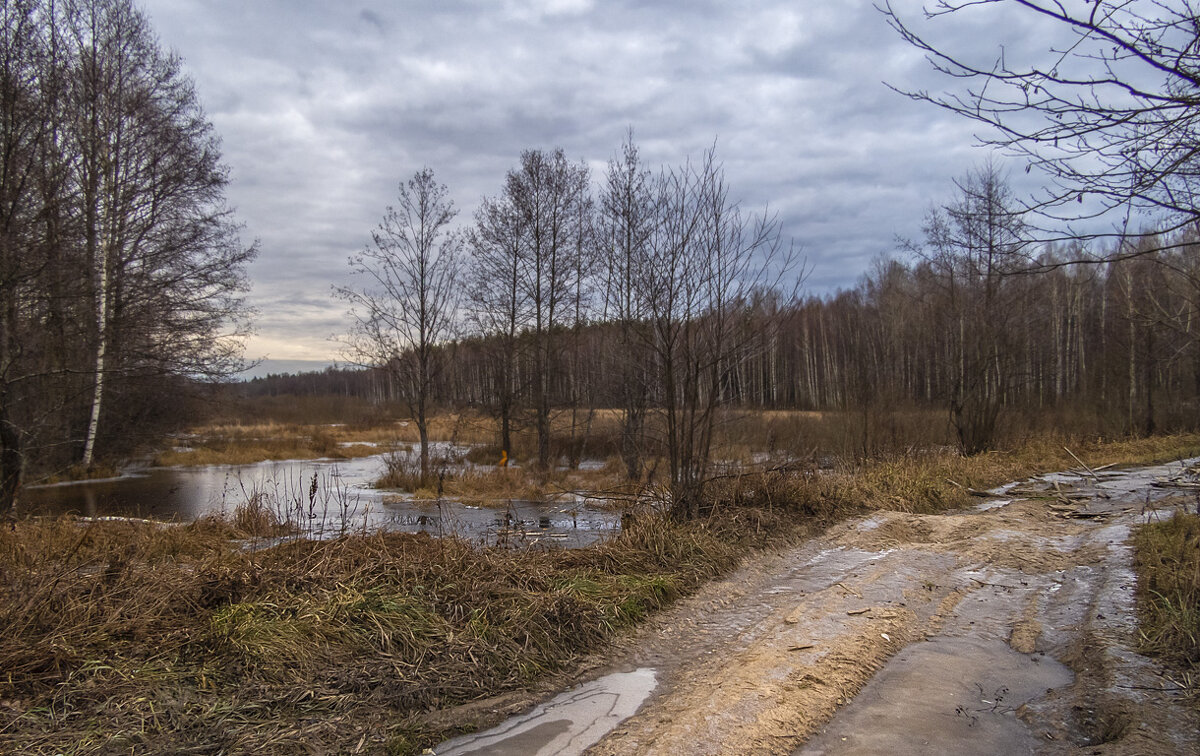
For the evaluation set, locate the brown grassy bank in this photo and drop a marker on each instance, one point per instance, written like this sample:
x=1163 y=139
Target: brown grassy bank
x=304 y=427
x=137 y=638
x=1168 y=567
x=131 y=637
x=247 y=442
x=250 y=443
x=933 y=480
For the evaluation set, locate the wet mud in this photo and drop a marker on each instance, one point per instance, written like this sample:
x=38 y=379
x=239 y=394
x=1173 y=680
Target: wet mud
x=1008 y=628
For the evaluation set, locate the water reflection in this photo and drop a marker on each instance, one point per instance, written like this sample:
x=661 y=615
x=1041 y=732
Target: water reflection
x=320 y=498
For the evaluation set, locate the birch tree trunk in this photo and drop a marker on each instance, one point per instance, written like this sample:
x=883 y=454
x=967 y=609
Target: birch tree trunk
x=89 y=444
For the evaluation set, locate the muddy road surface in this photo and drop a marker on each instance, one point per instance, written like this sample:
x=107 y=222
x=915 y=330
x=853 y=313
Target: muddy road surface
x=1005 y=629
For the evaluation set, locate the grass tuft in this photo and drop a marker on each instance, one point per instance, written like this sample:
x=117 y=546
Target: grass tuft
x=1168 y=566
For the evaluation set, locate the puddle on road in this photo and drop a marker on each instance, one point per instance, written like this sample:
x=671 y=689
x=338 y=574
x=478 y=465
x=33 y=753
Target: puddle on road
x=960 y=692
x=565 y=725
x=1103 y=485
x=993 y=504
x=953 y=695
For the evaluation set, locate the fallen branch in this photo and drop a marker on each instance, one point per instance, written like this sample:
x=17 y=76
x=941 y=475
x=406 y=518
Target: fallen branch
x=1081 y=462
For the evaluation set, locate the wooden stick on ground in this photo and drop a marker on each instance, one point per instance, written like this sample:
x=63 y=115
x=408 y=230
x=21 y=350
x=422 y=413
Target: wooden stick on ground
x=1080 y=461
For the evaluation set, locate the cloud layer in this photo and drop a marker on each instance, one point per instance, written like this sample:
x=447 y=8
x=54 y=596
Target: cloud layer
x=325 y=107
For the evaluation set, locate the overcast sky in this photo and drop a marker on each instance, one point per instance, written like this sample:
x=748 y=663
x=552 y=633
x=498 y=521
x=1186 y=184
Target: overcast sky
x=323 y=107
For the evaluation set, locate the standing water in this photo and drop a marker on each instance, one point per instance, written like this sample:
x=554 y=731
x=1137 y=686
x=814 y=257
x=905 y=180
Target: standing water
x=319 y=497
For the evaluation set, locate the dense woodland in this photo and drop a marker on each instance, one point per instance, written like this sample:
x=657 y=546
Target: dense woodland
x=121 y=270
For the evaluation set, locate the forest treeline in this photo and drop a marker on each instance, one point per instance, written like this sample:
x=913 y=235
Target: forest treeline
x=671 y=304
x=121 y=270
x=1112 y=343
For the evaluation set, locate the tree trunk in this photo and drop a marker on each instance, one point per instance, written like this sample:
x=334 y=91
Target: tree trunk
x=631 y=434
x=89 y=445
x=12 y=460
x=1148 y=425
x=1132 y=356
x=423 y=434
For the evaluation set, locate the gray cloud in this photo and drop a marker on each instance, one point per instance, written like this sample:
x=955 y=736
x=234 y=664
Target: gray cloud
x=325 y=107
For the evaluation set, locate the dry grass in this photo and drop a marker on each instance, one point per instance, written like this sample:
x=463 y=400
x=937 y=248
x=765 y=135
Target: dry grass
x=1168 y=566
x=231 y=443
x=475 y=478
x=846 y=435
x=247 y=444
x=137 y=638
x=932 y=479
x=81 y=472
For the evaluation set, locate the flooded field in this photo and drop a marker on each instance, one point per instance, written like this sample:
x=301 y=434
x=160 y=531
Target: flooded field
x=320 y=498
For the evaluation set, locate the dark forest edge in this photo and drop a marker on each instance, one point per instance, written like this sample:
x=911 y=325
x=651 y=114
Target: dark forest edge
x=133 y=636
x=122 y=273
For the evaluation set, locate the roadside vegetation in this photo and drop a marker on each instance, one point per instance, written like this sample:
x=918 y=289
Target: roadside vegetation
x=241 y=430
x=134 y=636
x=1168 y=567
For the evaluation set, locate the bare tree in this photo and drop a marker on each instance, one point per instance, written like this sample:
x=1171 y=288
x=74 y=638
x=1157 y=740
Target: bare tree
x=974 y=245
x=498 y=305
x=551 y=196
x=1174 y=302
x=1110 y=115
x=628 y=215
x=707 y=259
x=163 y=253
x=408 y=305
x=581 y=399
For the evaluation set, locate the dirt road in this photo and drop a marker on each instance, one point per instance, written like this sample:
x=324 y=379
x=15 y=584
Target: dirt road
x=1001 y=630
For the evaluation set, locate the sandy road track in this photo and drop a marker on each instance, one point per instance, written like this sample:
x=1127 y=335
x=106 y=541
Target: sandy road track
x=1008 y=629
x=1005 y=629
